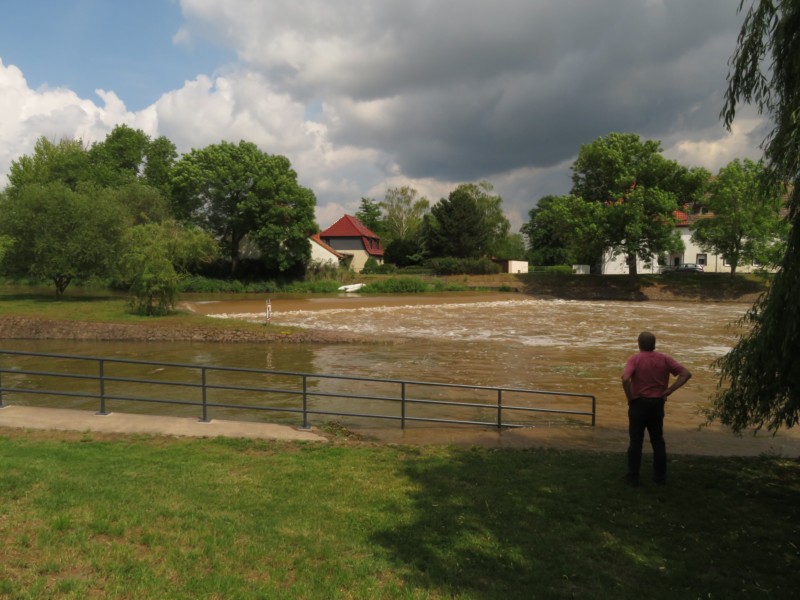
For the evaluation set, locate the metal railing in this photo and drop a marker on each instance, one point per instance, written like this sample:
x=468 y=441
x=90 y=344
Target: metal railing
x=304 y=395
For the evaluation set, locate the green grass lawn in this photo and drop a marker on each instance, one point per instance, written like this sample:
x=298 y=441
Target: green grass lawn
x=168 y=518
x=105 y=308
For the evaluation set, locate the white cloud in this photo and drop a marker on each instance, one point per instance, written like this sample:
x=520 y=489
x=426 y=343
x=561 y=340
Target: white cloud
x=363 y=95
x=715 y=152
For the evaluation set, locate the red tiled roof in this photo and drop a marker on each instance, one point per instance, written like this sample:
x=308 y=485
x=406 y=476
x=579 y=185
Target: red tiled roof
x=684 y=219
x=348 y=226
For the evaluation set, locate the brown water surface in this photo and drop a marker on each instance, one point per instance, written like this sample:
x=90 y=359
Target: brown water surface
x=486 y=339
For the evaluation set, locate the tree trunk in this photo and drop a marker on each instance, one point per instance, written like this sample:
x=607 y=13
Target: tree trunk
x=631 y=261
x=235 y=241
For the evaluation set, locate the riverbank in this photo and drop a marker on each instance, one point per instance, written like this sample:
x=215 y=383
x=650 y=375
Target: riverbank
x=101 y=319
x=30 y=328
x=690 y=287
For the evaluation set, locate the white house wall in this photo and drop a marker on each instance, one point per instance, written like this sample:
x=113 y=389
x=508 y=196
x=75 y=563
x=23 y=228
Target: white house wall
x=692 y=254
x=355 y=248
x=322 y=256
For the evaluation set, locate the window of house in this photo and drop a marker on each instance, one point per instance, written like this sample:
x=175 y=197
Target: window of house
x=702 y=259
x=725 y=262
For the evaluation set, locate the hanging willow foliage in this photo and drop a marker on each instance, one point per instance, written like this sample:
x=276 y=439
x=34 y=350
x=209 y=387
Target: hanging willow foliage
x=760 y=381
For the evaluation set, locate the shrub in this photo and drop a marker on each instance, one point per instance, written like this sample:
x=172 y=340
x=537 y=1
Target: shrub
x=480 y=266
x=446 y=266
x=397 y=285
x=372 y=267
x=463 y=266
x=323 y=286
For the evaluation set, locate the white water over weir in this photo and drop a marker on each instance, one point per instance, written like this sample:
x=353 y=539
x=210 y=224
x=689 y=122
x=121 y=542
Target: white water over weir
x=516 y=341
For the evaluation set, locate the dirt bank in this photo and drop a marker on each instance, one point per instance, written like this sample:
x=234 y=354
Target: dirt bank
x=706 y=287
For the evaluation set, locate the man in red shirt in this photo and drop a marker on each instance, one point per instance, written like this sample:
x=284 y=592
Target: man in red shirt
x=646 y=384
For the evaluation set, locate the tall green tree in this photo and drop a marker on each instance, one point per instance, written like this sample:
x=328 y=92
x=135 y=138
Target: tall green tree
x=370 y=214
x=641 y=226
x=59 y=234
x=468 y=224
x=512 y=247
x=234 y=190
x=565 y=230
x=746 y=208
x=760 y=376
x=120 y=158
x=456 y=226
x=640 y=189
x=492 y=215
x=403 y=211
x=65 y=162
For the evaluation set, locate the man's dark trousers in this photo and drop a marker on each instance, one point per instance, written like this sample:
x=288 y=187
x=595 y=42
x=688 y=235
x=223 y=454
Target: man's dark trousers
x=646 y=413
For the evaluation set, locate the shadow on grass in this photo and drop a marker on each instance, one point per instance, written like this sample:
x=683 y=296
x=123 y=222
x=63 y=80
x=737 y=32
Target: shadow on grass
x=554 y=524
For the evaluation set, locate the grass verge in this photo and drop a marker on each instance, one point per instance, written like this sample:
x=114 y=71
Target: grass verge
x=104 y=308
x=121 y=517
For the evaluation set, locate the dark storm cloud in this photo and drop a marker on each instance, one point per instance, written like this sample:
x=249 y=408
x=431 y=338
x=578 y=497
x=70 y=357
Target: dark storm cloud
x=464 y=90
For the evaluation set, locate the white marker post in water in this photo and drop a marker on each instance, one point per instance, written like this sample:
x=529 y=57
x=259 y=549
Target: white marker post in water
x=269 y=311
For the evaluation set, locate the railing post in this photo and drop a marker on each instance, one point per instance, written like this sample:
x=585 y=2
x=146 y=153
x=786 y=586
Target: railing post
x=403 y=405
x=594 y=410
x=205 y=399
x=102 y=412
x=499 y=409
x=305 y=426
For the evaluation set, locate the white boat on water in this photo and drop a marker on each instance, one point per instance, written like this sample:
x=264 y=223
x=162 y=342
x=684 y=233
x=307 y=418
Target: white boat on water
x=353 y=287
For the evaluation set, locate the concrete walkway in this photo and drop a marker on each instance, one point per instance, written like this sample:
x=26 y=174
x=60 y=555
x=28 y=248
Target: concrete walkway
x=27 y=417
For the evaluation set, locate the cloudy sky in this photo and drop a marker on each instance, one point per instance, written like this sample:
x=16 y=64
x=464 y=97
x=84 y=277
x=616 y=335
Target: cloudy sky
x=366 y=95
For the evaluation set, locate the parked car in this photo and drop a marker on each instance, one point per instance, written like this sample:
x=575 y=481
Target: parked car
x=684 y=268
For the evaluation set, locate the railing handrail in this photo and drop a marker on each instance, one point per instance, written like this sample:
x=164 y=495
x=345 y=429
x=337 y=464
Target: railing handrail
x=403 y=399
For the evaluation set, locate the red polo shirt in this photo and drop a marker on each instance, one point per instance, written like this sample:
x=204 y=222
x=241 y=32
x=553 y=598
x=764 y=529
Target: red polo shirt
x=649 y=373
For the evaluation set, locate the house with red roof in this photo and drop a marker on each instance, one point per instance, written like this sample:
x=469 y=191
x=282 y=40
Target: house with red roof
x=351 y=238
x=692 y=253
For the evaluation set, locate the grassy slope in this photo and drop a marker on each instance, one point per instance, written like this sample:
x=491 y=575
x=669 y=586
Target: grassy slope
x=164 y=518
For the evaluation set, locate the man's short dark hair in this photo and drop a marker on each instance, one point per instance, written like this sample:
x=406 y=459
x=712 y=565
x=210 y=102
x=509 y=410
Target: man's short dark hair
x=647 y=341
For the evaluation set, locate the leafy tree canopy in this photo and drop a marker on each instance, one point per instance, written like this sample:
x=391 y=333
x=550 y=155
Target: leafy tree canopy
x=404 y=213
x=235 y=190
x=640 y=189
x=466 y=223
x=153 y=259
x=760 y=382
x=746 y=207
x=65 y=162
x=565 y=230
x=371 y=216
x=59 y=234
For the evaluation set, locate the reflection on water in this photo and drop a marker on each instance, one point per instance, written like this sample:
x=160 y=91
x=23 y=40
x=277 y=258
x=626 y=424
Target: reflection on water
x=490 y=339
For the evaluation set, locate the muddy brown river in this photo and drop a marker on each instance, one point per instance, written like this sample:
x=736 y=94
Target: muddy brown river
x=486 y=339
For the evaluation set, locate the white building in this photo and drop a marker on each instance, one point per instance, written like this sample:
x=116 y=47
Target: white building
x=712 y=263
